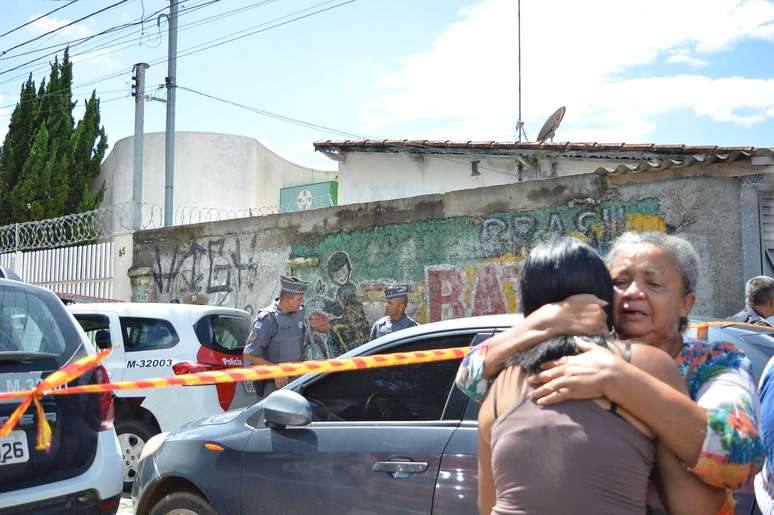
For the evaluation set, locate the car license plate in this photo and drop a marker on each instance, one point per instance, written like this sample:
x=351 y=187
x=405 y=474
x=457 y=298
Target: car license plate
x=13 y=448
x=249 y=386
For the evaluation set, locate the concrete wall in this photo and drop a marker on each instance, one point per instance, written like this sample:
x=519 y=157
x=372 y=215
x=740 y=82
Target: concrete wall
x=370 y=176
x=219 y=171
x=460 y=252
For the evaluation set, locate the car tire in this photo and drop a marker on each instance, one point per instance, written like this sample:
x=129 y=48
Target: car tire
x=183 y=501
x=132 y=435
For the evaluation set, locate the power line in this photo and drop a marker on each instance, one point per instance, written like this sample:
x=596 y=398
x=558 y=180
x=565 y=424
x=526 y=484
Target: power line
x=75 y=42
x=276 y=116
x=323 y=128
x=120 y=45
x=38 y=18
x=267 y=28
x=117 y=28
x=212 y=43
x=101 y=101
x=97 y=48
x=63 y=26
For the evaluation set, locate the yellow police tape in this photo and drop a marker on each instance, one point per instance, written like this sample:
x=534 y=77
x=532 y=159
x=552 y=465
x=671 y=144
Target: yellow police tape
x=52 y=385
x=55 y=383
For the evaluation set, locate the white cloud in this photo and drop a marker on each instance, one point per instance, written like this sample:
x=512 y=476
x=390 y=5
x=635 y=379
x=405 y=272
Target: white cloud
x=575 y=54
x=685 y=58
x=50 y=23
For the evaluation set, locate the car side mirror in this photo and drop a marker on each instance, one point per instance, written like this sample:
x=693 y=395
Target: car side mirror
x=102 y=339
x=286 y=408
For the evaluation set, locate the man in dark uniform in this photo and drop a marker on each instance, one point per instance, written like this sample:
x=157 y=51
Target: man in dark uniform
x=278 y=333
x=396 y=300
x=758 y=300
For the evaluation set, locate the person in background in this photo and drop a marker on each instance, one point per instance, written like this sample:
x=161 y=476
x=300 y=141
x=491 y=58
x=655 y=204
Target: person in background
x=278 y=333
x=396 y=300
x=758 y=301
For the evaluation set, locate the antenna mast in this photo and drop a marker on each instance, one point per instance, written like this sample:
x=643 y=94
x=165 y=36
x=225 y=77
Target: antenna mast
x=520 y=131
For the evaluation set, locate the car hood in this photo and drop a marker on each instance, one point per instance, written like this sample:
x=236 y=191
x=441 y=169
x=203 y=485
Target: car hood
x=214 y=420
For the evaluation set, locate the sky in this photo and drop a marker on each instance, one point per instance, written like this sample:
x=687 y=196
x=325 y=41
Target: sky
x=694 y=72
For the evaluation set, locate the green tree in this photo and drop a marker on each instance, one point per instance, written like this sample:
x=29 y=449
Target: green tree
x=16 y=146
x=29 y=197
x=48 y=164
x=88 y=144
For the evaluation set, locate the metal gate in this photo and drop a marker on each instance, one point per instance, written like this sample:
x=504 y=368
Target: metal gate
x=85 y=270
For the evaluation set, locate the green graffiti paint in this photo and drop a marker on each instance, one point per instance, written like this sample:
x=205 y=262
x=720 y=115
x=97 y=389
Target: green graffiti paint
x=402 y=252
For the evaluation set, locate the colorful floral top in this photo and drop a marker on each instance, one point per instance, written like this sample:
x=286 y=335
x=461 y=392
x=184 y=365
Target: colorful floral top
x=719 y=380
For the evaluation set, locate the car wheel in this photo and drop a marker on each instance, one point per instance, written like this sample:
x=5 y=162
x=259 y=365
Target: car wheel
x=132 y=435
x=182 y=503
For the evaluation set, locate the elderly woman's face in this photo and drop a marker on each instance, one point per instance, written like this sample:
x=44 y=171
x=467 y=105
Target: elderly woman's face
x=649 y=299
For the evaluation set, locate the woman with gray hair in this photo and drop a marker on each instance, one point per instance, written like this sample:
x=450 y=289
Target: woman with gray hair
x=715 y=432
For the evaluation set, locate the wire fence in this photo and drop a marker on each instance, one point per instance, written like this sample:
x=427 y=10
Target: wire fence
x=101 y=224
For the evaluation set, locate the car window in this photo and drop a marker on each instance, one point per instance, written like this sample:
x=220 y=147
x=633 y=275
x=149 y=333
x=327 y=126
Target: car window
x=223 y=333
x=403 y=393
x=92 y=325
x=34 y=322
x=143 y=334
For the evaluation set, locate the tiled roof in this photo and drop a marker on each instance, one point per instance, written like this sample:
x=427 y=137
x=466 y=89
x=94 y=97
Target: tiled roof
x=643 y=156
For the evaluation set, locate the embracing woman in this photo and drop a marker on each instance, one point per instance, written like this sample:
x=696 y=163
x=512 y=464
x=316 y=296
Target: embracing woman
x=708 y=442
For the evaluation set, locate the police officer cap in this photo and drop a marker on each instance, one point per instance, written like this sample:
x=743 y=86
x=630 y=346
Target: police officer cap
x=396 y=292
x=292 y=285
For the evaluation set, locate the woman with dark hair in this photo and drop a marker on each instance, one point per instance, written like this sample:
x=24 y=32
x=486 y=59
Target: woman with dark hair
x=597 y=454
x=708 y=443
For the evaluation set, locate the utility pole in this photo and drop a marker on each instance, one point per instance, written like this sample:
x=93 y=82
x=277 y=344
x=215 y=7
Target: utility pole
x=139 y=131
x=169 y=161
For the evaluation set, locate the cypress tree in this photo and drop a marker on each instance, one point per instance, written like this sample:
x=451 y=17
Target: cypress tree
x=16 y=145
x=29 y=195
x=87 y=149
x=48 y=163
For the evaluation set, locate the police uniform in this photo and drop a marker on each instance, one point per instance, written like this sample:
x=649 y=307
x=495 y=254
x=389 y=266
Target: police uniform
x=749 y=315
x=276 y=336
x=387 y=325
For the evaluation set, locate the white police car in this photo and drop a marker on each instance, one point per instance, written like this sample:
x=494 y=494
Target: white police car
x=158 y=340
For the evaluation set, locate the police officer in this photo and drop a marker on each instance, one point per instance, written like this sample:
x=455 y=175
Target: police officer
x=278 y=333
x=396 y=300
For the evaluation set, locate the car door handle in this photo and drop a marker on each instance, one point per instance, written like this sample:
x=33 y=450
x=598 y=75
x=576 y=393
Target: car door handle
x=400 y=469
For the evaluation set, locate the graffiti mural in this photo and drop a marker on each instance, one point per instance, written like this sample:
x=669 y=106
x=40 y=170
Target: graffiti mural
x=455 y=267
x=336 y=321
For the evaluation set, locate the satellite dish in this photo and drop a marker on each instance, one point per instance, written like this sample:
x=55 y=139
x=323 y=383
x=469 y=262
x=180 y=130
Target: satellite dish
x=549 y=128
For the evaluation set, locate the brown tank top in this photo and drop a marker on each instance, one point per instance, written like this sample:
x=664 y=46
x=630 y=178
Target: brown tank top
x=570 y=458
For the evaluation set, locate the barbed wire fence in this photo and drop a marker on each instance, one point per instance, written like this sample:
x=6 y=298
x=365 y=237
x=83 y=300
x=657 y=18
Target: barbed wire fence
x=103 y=223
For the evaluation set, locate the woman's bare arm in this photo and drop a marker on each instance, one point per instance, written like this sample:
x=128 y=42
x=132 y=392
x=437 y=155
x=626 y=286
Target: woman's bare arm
x=682 y=492
x=579 y=315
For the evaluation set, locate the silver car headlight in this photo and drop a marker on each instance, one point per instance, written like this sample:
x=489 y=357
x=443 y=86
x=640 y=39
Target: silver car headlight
x=152 y=445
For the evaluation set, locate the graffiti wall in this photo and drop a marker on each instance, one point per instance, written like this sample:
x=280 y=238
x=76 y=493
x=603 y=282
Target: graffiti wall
x=455 y=267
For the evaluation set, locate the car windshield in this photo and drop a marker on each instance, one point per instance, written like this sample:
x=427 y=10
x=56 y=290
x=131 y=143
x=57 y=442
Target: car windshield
x=33 y=322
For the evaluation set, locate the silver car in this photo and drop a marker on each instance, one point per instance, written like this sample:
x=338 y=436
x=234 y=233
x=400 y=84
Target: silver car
x=399 y=440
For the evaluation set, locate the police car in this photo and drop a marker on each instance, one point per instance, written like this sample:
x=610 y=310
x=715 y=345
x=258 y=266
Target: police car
x=158 y=340
x=80 y=473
